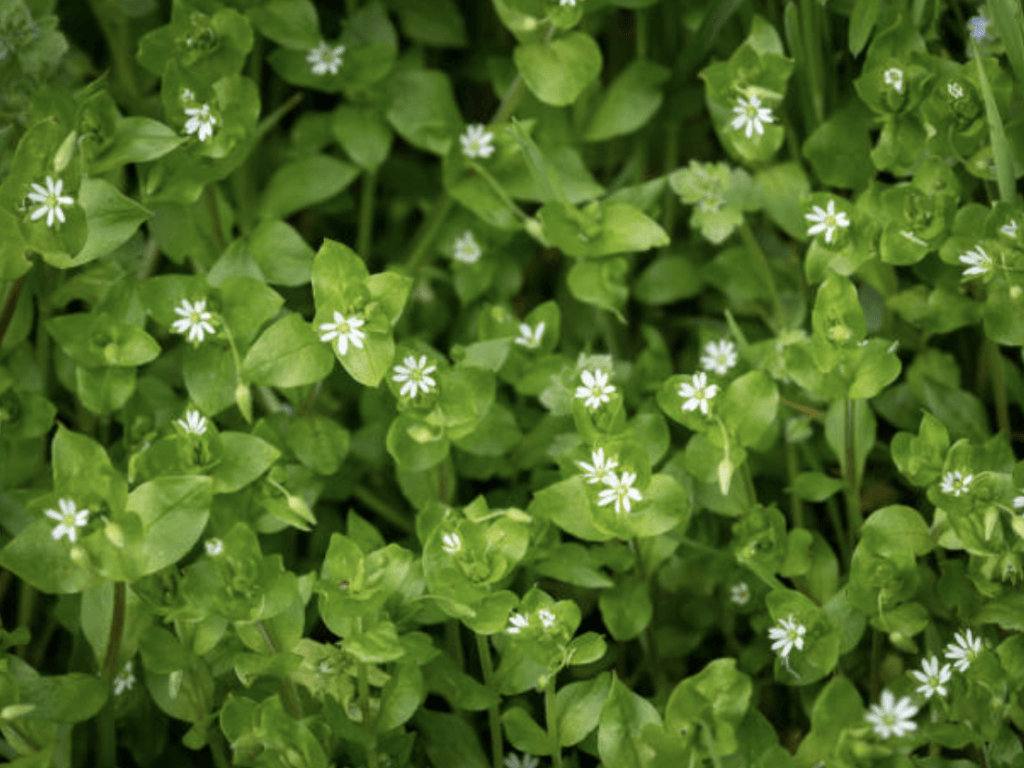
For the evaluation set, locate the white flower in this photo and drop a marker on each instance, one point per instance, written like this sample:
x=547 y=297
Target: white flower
x=50 y=201
x=345 y=330
x=530 y=336
x=547 y=618
x=415 y=375
x=200 y=121
x=595 y=389
x=955 y=90
x=213 y=547
x=517 y=623
x=187 y=96
x=620 y=490
x=125 y=680
x=324 y=668
x=451 y=543
x=955 y=483
x=698 y=393
x=568 y=2
x=932 y=678
x=476 y=141
x=69 y=520
x=894 y=77
x=193 y=423
x=466 y=249
x=740 y=593
x=750 y=115
x=787 y=636
x=1018 y=501
x=826 y=220
x=719 y=356
x=325 y=58
x=979 y=262
x=979 y=27
x=512 y=760
x=600 y=469
x=891 y=717
x=963 y=651
x=1010 y=230
x=194 y=320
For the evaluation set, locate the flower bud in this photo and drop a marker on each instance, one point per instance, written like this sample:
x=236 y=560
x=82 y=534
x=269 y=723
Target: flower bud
x=65 y=152
x=243 y=397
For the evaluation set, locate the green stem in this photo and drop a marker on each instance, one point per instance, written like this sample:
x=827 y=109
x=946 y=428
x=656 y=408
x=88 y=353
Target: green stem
x=653 y=651
x=289 y=694
x=796 y=504
x=364 y=705
x=428 y=231
x=7 y=313
x=762 y=263
x=995 y=358
x=748 y=481
x=218 y=228
x=709 y=744
x=641 y=33
x=105 y=722
x=876 y=664
x=812 y=460
x=271 y=120
x=383 y=509
x=493 y=714
x=27 y=597
x=854 y=516
x=364 y=237
x=551 y=711
x=220 y=758
x=812 y=50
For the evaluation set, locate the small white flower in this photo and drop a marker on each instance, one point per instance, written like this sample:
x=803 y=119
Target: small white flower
x=200 y=121
x=891 y=717
x=345 y=330
x=512 y=760
x=932 y=678
x=698 y=393
x=476 y=141
x=979 y=262
x=955 y=483
x=193 y=423
x=451 y=543
x=568 y=2
x=740 y=593
x=620 y=490
x=517 y=623
x=547 y=618
x=600 y=469
x=69 y=520
x=325 y=58
x=979 y=27
x=194 y=320
x=894 y=77
x=954 y=89
x=719 y=356
x=213 y=547
x=595 y=389
x=50 y=201
x=530 y=336
x=826 y=220
x=125 y=680
x=1010 y=230
x=787 y=636
x=964 y=650
x=750 y=116
x=324 y=668
x=466 y=249
x=187 y=96
x=415 y=375
x=1018 y=501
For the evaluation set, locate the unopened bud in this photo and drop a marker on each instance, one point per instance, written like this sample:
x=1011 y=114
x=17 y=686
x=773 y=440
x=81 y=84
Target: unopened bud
x=65 y=152
x=243 y=397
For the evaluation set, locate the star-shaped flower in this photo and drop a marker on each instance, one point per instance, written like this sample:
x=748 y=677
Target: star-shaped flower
x=125 y=680
x=530 y=336
x=517 y=623
x=466 y=249
x=698 y=393
x=719 y=356
x=595 y=389
x=476 y=141
x=964 y=650
x=932 y=678
x=193 y=423
x=894 y=77
x=195 y=320
x=547 y=618
x=50 y=201
x=787 y=636
x=979 y=27
x=620 y=491
x=451 y=543
x=415 y=375
x=751 y=116
x=891 y=717
x=325 y=58
x=512 y=760
x=601 y=468
x=978 y=262
x=200 y=121
x=213 y=547
x=345 y=330
x=826 y=220
x=568 y=2
x=740 y=593
x=1010 y=228
x=1018 y=501
x=69 y=520
x=955 y=483
x=955 y=90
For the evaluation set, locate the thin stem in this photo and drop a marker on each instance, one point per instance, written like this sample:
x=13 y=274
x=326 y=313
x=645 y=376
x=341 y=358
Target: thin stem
x=220 y=758
x=654 y=660
x=812 y=460
x=218 y=228
x=7 y=313
x=27 y=597
x=483 y=647
x=748 y=482
x=876 y=664
x=551 y=711
x=383 y=509
x=854 y=516
x=813 y=413
x=709 y=744
x=364 y=237
x=796 y=504
x=271 y=120
x=812 y=50
x=290 y=695
x=105 y=722
x=762 y=263
x=364 y=706
x=428 y=231
x=641 y=33
x=995 y=359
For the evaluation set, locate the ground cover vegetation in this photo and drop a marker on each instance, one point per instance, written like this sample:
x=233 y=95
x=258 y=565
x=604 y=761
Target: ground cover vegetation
x=523 y=383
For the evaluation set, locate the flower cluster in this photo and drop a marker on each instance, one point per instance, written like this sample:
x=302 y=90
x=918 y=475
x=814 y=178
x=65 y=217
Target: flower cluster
x=620 y=490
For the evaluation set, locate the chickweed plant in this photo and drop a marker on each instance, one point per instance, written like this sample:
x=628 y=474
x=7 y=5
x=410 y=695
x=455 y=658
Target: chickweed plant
x=511 y=383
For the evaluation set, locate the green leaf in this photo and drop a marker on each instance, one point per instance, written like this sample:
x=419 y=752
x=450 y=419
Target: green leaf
x=749 y=406
x=363 y=134
x=523 y=732
x=136 y=140
x=626 y=608
x=303 y=183
x=629 y=102
x=848 y=128
x=97 y=340
x=71 y=698
x=377 y=646
x=600 y=229
x=716 y=697
x=283 y=256
x=579 y=707
x=620 y=731
x=318 y=442
x=862 y=21
x=567 y=505
x=243 y=459
x=558 y=71
x=816 y=486
x=601 y=283
x=291 y=23
x=440 y=25
x=173 y=512
x=666 y=280
x=288 y=354
x=401 y=696
x=423 y=110
x=837 y=708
